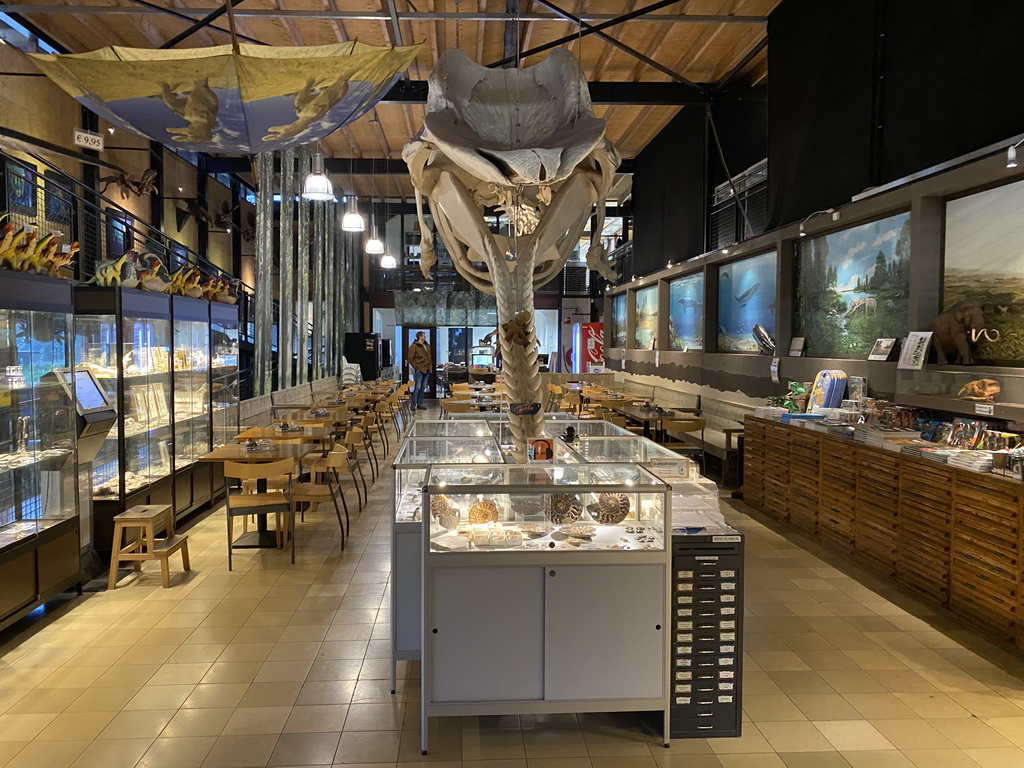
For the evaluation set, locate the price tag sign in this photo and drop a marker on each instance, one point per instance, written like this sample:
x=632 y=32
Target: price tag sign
x=87 y=140
x=984 y=409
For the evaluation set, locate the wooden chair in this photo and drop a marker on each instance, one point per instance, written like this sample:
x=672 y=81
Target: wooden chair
x=683 y=426
x=386 y=415
x=314 y=493
x=271 y=502
x=352 y=467
x=355 y=439
x=371 y=426
x=448 y=407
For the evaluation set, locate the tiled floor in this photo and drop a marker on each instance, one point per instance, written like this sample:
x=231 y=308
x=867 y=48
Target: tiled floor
x=279 y=665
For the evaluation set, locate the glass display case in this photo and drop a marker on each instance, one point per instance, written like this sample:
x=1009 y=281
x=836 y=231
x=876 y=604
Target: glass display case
x=417 y=454
x=620 y=449
x=191 y=358
x=584 y=428
x=545 y=507
x=450 y=428
x=37 y=423
x=980 y=390
x=39 y=504
x=128 y=349
x=224 y=393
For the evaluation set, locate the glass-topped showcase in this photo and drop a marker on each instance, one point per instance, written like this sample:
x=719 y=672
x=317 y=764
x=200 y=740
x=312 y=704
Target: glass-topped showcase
x=540 y=507
x=224 y=392
x=37 y=419
x=417 y=454
x=584 y=428
x=613 y=450
x=450 y=428
x=191 y=380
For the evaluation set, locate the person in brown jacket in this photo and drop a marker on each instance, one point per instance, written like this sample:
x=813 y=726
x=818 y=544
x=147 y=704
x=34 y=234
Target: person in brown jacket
x=418 y=358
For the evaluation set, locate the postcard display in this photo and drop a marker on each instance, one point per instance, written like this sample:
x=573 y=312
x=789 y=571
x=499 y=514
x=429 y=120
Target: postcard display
x=151 y=353
x=39 y=512
x=520 y=559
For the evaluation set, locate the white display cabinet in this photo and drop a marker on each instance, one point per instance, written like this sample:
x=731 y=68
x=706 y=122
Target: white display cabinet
x=412 y=461
x=618 y=449
x=545 y=590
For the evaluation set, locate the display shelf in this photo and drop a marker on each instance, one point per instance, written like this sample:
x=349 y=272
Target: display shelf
x=950 y=535
x=968 y=390
x=39 y=509
x=449 y=428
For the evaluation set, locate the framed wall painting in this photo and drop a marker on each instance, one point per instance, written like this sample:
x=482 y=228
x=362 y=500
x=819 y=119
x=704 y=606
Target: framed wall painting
x=686 y=312
x=20 y=189
x=853 y=287
x=984 y=262
x=119 y=235
x=57 y=205
x=746 y=297
x=646 y=328
x=618 y=324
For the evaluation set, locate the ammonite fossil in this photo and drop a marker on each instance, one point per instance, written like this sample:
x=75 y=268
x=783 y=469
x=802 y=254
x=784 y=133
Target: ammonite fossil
x=612 y=508
x=483 y=512
x=565 y=508
x=448 y=521
x=440 y=506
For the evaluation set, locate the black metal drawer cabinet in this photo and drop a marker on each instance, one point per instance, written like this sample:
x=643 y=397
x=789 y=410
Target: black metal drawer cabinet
x=707 y=641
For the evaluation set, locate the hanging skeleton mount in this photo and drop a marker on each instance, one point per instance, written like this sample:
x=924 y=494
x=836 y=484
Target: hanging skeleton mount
x=527 y=142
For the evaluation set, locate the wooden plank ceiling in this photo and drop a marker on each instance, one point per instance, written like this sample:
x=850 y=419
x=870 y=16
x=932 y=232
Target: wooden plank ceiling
x=702 y=52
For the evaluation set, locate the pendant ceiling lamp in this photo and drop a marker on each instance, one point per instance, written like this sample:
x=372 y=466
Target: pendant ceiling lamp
x=230 y=99
x=375 y=247
x=317 y=185
x=387 y=261
x=353 y=221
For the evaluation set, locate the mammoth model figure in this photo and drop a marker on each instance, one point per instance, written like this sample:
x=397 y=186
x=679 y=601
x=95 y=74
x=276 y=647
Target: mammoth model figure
x=525 y=141
x=955 y=330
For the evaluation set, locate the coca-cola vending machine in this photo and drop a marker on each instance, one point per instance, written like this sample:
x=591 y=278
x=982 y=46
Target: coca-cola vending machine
x=587 y=347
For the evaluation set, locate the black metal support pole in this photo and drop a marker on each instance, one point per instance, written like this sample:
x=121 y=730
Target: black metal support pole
x=203 y=22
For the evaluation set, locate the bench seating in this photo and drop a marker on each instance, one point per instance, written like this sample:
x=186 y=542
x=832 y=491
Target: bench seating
x=723 y=423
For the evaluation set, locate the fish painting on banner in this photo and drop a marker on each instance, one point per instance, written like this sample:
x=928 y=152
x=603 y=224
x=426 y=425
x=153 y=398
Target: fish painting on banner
x=746 y=297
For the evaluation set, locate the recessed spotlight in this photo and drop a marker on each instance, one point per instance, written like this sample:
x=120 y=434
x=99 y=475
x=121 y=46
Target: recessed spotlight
x=181 y=189
x=110 y=130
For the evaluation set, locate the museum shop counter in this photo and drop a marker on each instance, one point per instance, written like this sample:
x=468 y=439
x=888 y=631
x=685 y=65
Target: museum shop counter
x=951 y=536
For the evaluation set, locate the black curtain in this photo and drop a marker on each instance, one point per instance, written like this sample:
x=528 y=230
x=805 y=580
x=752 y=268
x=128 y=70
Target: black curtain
x=820 y=105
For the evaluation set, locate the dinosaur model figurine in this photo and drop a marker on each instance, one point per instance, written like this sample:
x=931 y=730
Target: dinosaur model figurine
x=110 y=273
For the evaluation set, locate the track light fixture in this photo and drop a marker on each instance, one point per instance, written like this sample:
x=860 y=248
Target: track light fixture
x=803 y=227
x=1011 y=154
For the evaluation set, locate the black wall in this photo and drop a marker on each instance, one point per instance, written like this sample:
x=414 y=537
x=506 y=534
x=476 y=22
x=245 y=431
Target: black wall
x=677 y=171
x=864 y=92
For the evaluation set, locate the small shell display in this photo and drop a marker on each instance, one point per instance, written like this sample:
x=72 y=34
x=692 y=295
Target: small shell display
x=578 y=530
x=612 y=508
x=440 y=506
x=565 y=508
x=483 y=512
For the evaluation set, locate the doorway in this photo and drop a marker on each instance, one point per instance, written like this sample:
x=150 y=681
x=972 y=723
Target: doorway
x=408 y=337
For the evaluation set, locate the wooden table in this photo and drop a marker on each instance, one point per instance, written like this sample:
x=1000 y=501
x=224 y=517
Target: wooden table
x=647 y=416
x=261 y=537
x=269 y=433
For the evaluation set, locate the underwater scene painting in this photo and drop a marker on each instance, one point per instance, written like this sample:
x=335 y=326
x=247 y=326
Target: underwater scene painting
x=646 y=317
x=852 y=287
x=618 y=324
x=686 y=312
x=984 y=262
x=746 y=297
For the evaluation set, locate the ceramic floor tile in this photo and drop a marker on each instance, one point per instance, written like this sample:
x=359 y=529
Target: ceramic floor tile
x=120 y=753
x=794 y=737
x=198 y=722
x=241 y=751
x=51 y=754
x=368 y=747
x=295 y=749
x=970 y=733
x=188 y=752
x=878 y=759
x=852 y=735
x=814 y=760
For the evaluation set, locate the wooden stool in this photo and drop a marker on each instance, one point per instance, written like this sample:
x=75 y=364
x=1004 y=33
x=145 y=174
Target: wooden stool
x=142 y=520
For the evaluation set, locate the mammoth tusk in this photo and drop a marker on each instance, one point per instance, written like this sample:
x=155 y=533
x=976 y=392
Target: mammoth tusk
x=989 y=334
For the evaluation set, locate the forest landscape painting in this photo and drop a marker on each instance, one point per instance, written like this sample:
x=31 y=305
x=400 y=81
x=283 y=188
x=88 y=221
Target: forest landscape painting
x=646 y=317
x=618 y=323
x=686 y=312
x=984 y=262
x=852 y=287
x=746 y=297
